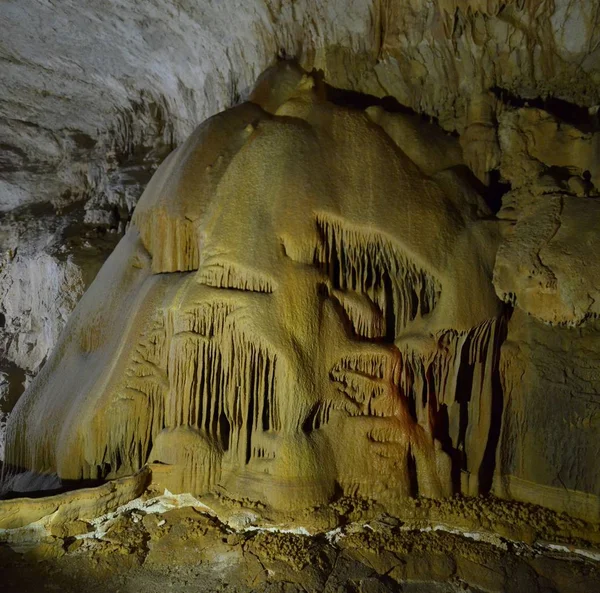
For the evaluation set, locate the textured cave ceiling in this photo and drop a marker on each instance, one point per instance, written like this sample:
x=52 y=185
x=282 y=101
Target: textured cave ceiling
x=84 y=82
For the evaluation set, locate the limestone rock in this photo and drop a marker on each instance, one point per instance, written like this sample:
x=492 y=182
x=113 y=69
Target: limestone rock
x=480 y=139
x=48 y=260
x=549 y=263
x=550 y=439
x=4 y=392
x=278 y=321
x=85 y=133
x=534 y=142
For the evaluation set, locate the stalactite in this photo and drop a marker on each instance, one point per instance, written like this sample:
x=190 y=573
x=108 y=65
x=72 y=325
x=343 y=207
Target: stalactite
x=385 y=280
x=431 y=384
x=227 y=276
x=251 y=406
x=170 y=240
x=418 y=395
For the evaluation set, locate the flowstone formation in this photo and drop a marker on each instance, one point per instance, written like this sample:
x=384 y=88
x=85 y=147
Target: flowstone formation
x=301 y=309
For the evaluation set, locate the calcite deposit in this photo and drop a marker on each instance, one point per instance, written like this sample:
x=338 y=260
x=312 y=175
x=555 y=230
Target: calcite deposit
x=296 y=309
x=86 y=117
x=302 y=308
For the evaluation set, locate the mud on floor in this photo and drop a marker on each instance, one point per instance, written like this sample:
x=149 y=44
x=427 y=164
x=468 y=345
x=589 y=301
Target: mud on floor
x=185 y=549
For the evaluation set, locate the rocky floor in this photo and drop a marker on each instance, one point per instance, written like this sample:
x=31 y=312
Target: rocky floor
x=185 y=549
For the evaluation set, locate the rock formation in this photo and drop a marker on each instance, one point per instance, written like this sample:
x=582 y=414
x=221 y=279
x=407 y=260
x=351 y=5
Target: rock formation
x=81 y=135
x=302 y=308
x=362 y=293
x=279 y=321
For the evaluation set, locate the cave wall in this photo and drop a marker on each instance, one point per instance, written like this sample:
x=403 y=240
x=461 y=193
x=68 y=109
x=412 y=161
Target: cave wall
x=517 y=82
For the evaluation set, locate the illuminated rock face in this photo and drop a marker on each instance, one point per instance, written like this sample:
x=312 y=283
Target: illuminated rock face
x=297 y=311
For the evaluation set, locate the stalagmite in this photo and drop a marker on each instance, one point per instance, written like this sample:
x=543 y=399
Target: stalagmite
x=298 y=311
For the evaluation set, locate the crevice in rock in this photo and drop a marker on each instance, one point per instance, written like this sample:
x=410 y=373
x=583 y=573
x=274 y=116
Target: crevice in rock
x=573 y=114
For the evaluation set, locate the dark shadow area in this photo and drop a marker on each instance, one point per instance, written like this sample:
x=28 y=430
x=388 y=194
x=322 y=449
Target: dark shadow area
x=464 y=387
x=495 y=191
x=488 y=463
x=16 y=378
x=66 y=486
x=360 y=101
x=312 y=420
x=570 y=113
x=441 y=432
x=560 y=174
x=411 y=463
